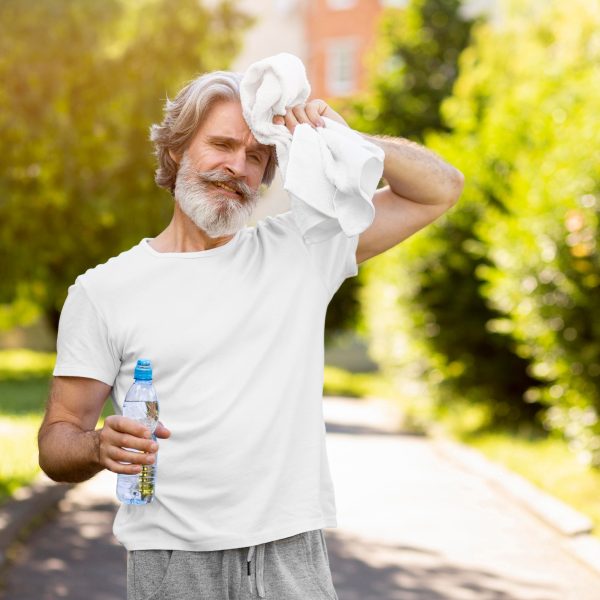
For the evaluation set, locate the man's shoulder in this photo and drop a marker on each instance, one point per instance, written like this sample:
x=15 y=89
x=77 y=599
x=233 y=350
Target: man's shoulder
x=111 y=272
x=280 y=223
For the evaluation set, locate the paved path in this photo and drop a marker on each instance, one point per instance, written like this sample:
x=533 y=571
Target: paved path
x=412 y=526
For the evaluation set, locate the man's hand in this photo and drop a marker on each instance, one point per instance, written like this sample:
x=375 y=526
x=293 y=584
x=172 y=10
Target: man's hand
x=308 y=113
x=71 y=450
x=121 y=432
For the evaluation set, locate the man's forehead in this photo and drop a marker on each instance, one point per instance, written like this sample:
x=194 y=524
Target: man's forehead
x=226 y=123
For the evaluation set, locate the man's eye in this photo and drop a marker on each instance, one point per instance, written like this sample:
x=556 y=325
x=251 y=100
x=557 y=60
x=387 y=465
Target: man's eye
x=255 y=157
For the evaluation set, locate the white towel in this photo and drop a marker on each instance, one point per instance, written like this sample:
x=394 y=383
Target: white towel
x=330 y=172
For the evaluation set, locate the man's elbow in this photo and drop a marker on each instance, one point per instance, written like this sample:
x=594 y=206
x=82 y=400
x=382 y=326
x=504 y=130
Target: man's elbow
x=48 y=468
x=57 y=473
x=44 y=459
x=49 y=455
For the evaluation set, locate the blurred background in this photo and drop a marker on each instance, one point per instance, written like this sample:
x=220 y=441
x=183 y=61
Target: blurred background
x=485 y=325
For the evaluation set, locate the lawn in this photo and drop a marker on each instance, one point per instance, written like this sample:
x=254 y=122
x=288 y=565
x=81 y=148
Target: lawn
x=24 y=384
x=21 y=411
x=549 y=464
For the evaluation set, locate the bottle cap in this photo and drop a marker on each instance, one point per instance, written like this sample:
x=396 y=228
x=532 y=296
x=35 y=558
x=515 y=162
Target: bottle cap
x=143 y=370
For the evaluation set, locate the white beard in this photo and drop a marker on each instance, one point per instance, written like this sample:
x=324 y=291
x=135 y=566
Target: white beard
x=213 y=211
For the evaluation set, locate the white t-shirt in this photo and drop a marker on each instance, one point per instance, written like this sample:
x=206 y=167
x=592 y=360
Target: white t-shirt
x=236 y=339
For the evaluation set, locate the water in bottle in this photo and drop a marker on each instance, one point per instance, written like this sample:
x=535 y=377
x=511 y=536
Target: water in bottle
x=141 y=404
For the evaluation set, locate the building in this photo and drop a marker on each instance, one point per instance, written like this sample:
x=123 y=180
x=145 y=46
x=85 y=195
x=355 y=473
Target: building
x=339 y=34
x=331 y=37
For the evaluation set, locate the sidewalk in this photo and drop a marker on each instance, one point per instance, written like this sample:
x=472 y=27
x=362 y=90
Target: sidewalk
x=412 y=525
x=73 y=556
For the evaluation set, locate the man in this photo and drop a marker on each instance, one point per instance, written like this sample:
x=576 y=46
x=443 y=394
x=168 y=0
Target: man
x=232 y=318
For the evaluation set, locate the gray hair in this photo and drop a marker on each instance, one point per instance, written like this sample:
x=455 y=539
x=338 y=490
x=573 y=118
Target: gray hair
x=185 y=114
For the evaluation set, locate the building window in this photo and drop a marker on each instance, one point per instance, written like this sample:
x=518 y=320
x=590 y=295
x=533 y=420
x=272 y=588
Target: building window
x=340 y=4
x=340 y=69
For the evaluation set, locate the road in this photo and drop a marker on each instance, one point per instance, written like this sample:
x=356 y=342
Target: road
x=412 y=525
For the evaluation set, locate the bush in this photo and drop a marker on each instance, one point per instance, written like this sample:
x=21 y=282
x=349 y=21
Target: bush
x=529 y=127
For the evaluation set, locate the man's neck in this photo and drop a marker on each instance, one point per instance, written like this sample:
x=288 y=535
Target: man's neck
x=183 y=235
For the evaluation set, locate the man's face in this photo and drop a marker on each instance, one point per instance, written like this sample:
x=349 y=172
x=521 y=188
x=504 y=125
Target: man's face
x=223 y=151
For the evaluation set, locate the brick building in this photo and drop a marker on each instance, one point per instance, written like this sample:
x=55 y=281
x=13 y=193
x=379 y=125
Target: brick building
x=331 y=37
x=339 y=33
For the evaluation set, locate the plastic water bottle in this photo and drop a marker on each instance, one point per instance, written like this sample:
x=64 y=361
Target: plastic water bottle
x=141 y=404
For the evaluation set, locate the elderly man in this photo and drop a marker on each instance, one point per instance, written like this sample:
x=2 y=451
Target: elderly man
x=232 y=318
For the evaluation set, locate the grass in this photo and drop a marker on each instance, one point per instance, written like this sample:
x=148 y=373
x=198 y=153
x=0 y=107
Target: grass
x=18 y=449
x=21 y=412
x=544 y=461
x=549 y=464
x=339 y=382
x=21 y=364
x=23 y=395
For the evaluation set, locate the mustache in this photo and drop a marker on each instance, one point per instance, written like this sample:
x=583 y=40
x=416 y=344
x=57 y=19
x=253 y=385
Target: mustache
x=220 y=177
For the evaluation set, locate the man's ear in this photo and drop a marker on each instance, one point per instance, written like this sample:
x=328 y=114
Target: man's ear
x=174 y=156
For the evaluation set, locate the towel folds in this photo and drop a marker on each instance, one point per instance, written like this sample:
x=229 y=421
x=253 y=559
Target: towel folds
x=331 y=172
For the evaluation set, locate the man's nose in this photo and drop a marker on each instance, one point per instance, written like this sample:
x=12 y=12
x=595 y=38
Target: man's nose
x=236 y=164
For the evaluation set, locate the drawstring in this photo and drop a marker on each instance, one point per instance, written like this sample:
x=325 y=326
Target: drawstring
x=259 y=568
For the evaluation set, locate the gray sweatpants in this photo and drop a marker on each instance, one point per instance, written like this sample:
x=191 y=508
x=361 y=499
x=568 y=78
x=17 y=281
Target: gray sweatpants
x=293 y=568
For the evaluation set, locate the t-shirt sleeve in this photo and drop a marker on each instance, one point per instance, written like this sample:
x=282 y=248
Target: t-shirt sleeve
x=83 y=345
x=334 y=258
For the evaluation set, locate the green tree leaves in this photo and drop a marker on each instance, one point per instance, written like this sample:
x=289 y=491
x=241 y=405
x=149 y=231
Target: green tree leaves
x=545 y=277
x=82 y=83
x=411 y=69
x=500 y=296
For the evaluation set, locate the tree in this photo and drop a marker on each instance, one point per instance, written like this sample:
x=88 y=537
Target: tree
x=517 y=261
x=429 y=303
x=527 y=127
x=411 y=69
x=82 y=83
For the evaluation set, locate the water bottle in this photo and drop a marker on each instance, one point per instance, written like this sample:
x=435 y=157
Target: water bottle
x=141 y=404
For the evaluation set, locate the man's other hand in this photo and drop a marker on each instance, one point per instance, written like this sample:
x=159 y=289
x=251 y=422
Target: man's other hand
x=309 y=113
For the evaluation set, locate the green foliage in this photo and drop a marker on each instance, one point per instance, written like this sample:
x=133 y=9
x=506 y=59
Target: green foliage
x=422 y=298
x=18 y=451
x=21 y=408
x=23 y=364
x=427 y=318
x=499 y=297
x=24 y=397
x=412 y=69
x=339 y=382
x=532 y=124
x=344 y=308
x=81 y=84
